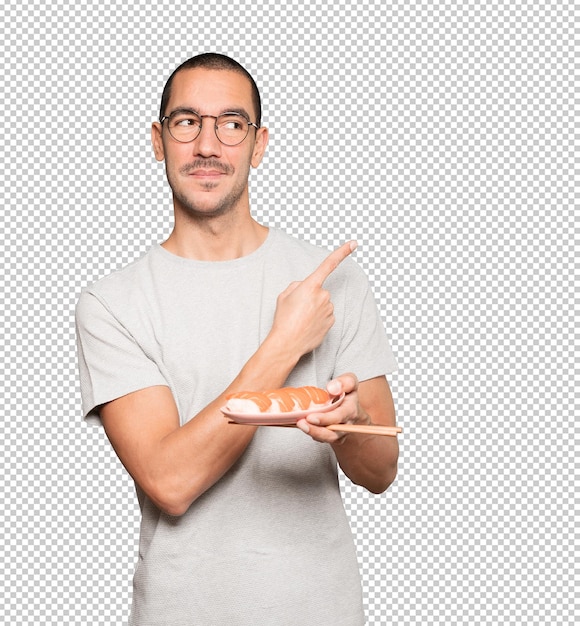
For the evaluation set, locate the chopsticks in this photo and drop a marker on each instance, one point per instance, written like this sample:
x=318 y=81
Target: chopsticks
x=372 y=429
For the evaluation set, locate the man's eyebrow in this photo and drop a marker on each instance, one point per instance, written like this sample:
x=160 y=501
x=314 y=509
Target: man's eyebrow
x=239 y=110
x=183 y=110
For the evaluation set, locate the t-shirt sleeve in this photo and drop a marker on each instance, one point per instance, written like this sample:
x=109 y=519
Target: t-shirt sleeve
x=111 y=362
x=364 y=348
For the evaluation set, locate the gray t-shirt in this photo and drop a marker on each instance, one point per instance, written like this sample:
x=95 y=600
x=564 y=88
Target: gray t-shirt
x=269 y=544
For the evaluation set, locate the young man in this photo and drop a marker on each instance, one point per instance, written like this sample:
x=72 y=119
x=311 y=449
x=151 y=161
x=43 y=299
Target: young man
x=240 y=525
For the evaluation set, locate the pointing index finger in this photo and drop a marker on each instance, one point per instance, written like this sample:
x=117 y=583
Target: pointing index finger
x=331 y=262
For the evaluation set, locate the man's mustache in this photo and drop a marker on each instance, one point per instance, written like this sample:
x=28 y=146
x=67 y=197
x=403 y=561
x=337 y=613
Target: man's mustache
x=207 y=164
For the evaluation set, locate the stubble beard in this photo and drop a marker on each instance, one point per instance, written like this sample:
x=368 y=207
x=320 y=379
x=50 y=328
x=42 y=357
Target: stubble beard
x=200 y=211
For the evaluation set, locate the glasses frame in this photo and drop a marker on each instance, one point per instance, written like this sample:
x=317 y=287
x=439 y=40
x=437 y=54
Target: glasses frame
x=215 y=126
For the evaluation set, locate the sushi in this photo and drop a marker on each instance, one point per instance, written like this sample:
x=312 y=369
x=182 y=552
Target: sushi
x=284 y=400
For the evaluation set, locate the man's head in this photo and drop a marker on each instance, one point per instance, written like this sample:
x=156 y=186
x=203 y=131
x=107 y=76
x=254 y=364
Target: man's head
x=207 y=171
x=213 y=61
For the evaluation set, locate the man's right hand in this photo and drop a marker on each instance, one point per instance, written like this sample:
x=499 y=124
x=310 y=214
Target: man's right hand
x=304 y=311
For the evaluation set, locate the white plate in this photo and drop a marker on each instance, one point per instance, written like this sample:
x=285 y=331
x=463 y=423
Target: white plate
x=275 y=419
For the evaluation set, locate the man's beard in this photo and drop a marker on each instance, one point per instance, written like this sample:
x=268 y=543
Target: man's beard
x=196 y=210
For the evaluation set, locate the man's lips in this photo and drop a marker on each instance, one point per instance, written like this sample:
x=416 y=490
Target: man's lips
x=206 y=169
x=206 y=173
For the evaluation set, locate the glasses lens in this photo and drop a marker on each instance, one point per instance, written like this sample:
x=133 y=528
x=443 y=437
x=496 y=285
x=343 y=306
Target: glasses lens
x=231 y=129
x=184 y=126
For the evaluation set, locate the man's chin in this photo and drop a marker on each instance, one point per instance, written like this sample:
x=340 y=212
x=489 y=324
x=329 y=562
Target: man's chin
x=208 y=205
x=204 y=210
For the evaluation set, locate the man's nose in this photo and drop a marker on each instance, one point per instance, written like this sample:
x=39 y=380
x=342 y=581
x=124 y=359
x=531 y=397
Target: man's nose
x=207 y=143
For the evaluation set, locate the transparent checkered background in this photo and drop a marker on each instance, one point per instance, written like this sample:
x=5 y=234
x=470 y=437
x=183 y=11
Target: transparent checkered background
x=440 y=135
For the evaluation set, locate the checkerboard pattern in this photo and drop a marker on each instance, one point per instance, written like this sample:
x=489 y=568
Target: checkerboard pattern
x=440 y=135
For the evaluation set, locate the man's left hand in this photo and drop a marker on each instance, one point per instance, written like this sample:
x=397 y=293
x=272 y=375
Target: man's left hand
x=349 y=412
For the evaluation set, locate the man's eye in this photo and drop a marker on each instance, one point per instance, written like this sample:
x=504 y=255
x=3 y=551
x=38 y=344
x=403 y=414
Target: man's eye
x=232 y=123
x=185 y=121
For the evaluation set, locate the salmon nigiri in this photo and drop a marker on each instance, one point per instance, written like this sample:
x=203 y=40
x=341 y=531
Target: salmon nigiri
x=282 y=400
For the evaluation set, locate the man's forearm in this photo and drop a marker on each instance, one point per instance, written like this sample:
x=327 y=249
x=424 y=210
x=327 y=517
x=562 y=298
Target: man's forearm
x=194 y=457
x=368 y=460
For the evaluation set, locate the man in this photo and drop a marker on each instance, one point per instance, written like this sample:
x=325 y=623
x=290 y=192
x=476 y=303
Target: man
x=240 y=525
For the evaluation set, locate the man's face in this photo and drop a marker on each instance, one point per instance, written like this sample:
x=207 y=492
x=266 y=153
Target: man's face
x=207 y=177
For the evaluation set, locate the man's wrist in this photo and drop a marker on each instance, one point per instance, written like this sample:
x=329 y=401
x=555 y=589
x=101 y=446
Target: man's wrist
x=363 y=418
x=279 y=353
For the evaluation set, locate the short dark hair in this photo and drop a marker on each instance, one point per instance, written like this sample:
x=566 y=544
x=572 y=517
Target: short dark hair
x=213 y=61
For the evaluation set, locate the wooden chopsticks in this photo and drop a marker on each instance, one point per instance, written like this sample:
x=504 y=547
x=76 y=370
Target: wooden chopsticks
x=372 y=429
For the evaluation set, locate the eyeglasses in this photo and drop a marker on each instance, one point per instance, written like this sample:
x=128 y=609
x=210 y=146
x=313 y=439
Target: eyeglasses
x=230 y=128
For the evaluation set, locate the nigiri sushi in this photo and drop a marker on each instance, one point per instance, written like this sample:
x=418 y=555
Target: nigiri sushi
x=284 y=400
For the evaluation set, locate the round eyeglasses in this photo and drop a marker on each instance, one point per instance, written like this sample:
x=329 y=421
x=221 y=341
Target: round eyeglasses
x=230 y=128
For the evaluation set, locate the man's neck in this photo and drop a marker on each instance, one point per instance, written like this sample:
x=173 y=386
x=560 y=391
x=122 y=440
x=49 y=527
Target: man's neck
x=215 y=240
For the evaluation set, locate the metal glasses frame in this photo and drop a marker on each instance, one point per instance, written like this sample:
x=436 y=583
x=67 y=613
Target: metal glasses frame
x=215 y=127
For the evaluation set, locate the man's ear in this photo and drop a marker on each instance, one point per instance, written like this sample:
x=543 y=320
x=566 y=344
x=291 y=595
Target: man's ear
x=260 y=145
x=157 y=141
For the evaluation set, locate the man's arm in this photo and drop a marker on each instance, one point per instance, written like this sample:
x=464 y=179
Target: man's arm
x=175 y=464
x=172 y=464
x=368 y=460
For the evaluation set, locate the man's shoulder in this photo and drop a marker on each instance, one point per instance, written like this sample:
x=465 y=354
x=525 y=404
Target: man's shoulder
x=123 y=280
